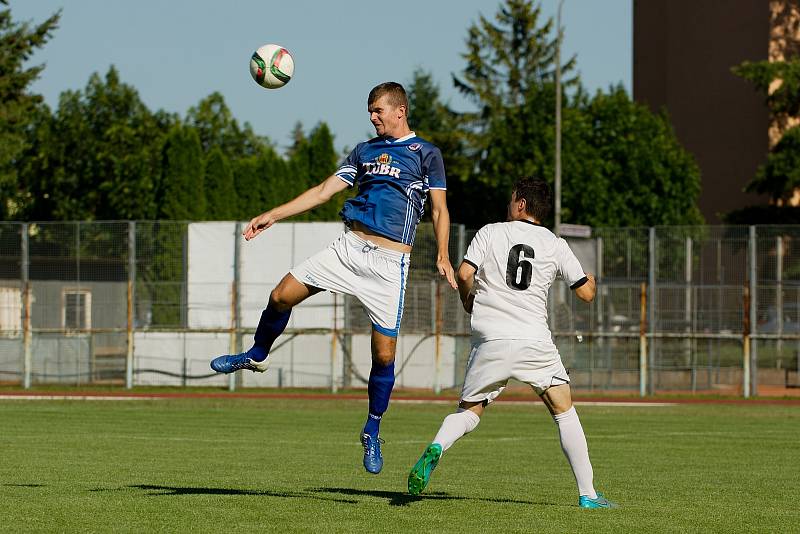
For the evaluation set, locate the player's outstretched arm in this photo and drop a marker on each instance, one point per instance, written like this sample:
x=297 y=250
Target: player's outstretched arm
x=441 y=229
x=587 y=291
x=310 y=199
x=466 y=279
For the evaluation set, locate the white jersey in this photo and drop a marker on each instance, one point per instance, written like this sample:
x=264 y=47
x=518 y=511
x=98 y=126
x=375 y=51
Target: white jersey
x=516 y=264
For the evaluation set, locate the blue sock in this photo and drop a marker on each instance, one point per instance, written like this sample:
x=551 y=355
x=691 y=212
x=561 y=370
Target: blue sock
x=271 y=325
x=381 y=382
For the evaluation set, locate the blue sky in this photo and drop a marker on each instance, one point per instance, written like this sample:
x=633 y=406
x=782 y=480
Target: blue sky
x=176 y=52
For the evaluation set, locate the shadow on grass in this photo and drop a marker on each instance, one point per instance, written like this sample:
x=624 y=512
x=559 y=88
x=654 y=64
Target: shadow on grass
x=152 y=489
x=398 y=498
x=394 y=498
x=23 y=485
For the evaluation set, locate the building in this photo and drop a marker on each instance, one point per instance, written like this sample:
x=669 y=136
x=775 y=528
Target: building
x=683 y=52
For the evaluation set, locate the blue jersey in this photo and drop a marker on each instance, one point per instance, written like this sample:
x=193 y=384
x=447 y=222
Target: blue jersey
x=393 y=177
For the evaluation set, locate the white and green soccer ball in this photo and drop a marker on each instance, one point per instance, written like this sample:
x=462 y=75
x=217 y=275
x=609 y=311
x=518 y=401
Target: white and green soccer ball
x=272 y=66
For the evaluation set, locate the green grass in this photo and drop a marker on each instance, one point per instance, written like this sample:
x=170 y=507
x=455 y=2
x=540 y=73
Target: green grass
x=271 y=465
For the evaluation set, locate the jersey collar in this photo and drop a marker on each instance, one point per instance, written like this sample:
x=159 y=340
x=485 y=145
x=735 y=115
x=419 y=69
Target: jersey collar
x=530 y=222
x=400 y=139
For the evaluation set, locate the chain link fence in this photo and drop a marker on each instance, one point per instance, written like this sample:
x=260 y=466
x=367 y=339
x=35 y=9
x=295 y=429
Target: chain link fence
x=678 y=309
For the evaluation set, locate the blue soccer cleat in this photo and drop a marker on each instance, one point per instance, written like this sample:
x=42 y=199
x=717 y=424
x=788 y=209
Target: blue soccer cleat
x=600 y=502
x=420 y=474
x=234 y=362
x=373 y=460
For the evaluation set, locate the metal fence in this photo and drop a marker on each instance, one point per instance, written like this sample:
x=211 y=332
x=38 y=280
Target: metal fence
x=714 y=308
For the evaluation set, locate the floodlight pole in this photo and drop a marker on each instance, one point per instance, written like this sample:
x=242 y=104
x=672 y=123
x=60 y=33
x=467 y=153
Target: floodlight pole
x=558 y=122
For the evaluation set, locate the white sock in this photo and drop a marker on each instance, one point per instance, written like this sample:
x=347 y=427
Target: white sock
x=573 y=443
x=454 y=426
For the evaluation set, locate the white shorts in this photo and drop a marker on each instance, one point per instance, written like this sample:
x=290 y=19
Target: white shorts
x=492 y=363
x=375 y=275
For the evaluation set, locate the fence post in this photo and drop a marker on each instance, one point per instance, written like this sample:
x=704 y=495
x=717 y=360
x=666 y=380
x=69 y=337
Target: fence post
x=131 y=300
x=437 y=328
x=687 y=313
x=779 y=292
x=643 y=340
x=651 y=310
x=235 y=320
x=334 y=386
x=460 y=315
x=753 y=268
x=26 y=307
x=747 y=305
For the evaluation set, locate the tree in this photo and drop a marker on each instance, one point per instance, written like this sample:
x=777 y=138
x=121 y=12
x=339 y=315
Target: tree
x=220 y=192
x=624 y=166
x=433 y=120
x=779 y=177
x=510 y=77
x=98 y=156
x=312 y=158
x=218 y=128
x=17 y=106
x=181 y=193
x=779 y=82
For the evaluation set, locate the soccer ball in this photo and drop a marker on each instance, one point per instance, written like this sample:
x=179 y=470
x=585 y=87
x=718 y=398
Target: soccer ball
x=272 y=66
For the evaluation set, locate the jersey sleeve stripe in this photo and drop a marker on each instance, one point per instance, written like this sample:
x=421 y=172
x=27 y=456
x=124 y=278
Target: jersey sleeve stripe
x=345 y=178
x=438 y=188
x=471 y=263
x=579 y=283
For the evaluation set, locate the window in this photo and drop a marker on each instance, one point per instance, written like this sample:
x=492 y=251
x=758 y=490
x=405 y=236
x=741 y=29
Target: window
x=10 y=311
x=76 y=313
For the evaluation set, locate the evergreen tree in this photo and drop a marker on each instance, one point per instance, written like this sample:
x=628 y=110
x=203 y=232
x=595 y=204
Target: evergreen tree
x=220 y=193
x=18 y=107
x=510 y=77
x=218 y=128
x=98 y=157
x=181 y=194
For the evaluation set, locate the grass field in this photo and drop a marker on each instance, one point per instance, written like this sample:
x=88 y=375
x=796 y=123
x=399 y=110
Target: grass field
x=275 y=465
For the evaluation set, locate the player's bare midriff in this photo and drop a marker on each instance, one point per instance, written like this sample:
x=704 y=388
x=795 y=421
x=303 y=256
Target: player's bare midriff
x=379 y=240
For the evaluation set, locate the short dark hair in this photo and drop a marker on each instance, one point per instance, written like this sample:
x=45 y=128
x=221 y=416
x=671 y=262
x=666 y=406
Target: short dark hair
x=395 y=92
x=537 y=195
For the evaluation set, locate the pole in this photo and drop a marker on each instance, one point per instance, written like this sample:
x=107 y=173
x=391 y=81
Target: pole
x=746 y=343
x=643 y=340
x=687 y=305
x=779 y=291
x=753 y=363
x=334 y=333
x=235 y=319
x=651 y=310
x=557 y=179
x=26 y=307
x=437 y=387
x=131 y=298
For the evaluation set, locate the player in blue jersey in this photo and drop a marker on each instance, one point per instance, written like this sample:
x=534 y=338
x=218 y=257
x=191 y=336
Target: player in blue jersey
x=395 y=172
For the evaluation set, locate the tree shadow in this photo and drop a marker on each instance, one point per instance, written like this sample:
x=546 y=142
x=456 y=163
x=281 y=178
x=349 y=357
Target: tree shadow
x=399 y=498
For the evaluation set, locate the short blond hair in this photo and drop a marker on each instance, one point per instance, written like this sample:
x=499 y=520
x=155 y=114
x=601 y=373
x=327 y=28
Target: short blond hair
x=395 y=92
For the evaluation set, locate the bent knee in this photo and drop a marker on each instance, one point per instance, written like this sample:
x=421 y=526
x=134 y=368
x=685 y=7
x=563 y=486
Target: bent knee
x=280 y=300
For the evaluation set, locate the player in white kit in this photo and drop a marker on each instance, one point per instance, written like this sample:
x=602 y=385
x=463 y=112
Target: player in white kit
x=503 y=282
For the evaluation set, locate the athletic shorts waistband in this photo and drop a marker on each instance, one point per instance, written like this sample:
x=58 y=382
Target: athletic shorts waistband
x=368 y=246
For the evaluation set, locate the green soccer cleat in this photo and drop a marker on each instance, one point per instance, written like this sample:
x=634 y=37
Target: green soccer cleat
x=421 y=472
x=599 y=502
